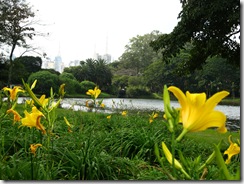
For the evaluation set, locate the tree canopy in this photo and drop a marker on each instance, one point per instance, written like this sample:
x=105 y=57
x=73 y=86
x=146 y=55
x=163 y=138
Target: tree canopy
x=15 y=26
x=139 y=54
x=212 y=26
x=93 y=70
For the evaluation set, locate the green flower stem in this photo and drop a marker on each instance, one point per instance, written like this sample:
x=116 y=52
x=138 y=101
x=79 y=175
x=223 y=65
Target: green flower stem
x=210 y=158
x=221 y=163
x=32 y=167
x=181 y=135
x=173 y=153
x=185 y=173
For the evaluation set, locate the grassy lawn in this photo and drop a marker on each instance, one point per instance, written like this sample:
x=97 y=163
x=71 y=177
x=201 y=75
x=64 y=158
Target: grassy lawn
x=100 y=148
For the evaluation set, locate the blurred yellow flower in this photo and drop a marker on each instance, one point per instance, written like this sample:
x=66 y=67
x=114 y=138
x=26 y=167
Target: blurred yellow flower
x=17 y=117
x=29 y=102
x=152 y=117
x=102 y=105
x=68 y=124
x=124 y=113
x=33 y=148
x=155 y=115
x=33 y=119
x=94 y=93
x=13 y=92
x=197 y=113
x=61 y=90
x=43 y=101
x=109 y=117
x=233 y=149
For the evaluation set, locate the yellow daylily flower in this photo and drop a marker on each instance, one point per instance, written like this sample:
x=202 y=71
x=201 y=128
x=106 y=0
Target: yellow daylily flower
x=61 y=90
x=102 y=105
x=68 y=124
x=33 y=148
x=17 y=117
x=13 y=92
x=43 y=101
x=233 y=149
x=155 y=115
x=197 y=113
x=152 y=117
x=94 y=93
x=124 y=113
x=33 y=119
x=29 y=102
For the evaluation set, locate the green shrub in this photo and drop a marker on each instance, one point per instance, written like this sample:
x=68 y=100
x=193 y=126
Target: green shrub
x=45 y=81
x=86 y=85
x=72 y=86
x=136 y=92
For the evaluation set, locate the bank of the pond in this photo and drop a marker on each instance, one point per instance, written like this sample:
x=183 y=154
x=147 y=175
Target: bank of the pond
x=226 y=101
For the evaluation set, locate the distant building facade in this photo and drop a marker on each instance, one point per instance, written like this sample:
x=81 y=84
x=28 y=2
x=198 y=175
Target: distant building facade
x=106 y=57
x=74 y=63
x=57 y=64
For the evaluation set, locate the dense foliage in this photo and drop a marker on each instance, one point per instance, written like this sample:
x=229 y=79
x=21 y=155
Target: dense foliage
x=15 y=27
x=120 y=148
x=212 y=26
x=96 y=71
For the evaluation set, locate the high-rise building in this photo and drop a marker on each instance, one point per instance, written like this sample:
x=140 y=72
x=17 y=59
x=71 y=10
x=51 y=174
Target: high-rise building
x=58 y=64
x=74 y=63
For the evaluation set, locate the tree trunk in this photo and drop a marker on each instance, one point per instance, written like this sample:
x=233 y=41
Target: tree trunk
x=11 y=65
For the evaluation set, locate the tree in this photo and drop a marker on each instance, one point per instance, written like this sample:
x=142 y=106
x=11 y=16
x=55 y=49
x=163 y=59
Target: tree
x=15 y=26
x=96 y=71
x=212 y=26
x=212 y=80
x=23 y=67
x=138 y=54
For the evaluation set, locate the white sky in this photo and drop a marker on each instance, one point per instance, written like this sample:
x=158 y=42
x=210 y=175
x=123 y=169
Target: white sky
x=78 y=28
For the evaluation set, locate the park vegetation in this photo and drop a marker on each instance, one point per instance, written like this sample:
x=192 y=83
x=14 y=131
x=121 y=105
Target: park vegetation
x=199 y=58
x=41 y=141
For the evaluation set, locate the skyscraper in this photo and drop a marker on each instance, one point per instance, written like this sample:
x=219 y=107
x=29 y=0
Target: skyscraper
x=58 y=64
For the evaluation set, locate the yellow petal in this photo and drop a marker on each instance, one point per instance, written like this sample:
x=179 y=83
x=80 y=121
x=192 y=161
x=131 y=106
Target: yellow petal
x=213 y=119
x=179 y=95
x=196 y=99
x=215 y=99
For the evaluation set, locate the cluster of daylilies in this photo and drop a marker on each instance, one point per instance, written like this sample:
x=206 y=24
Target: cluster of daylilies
x=195 y=114
x=38 y=113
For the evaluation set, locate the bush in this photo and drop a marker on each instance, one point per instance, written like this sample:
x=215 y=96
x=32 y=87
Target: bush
x=86 y=85
x=45 y=80
x=72 y=86
x=136 y=92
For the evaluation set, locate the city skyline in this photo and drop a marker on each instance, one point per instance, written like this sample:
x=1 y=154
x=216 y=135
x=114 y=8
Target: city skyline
x=79 y=28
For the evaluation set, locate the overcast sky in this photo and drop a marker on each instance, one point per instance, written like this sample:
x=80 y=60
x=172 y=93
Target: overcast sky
x=78 y=28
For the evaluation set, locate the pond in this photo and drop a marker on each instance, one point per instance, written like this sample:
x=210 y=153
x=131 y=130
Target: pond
x=112 y=104
x=232 y=112
x=119 y=104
